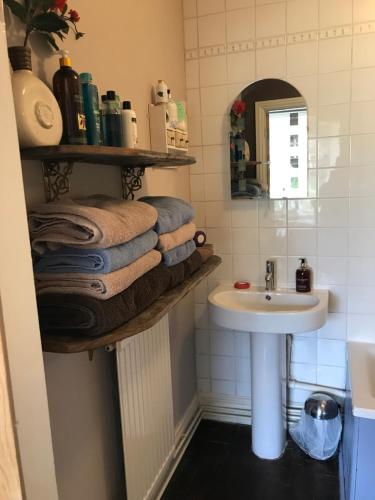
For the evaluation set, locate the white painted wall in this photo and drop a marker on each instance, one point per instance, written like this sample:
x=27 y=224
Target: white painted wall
x=325 y=48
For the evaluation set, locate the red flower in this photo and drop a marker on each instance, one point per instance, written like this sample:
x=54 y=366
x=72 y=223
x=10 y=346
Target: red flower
x=59 y=4
x=238 y=107
x=74 y=16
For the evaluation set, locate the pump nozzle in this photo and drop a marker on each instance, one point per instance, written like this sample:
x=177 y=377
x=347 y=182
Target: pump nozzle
x=65 y=58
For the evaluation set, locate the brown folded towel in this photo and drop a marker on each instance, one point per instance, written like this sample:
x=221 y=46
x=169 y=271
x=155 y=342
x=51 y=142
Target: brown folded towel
x=95 y=222
x=206 y=251
x=168 y=241
x=101 y=286
x=84 y=315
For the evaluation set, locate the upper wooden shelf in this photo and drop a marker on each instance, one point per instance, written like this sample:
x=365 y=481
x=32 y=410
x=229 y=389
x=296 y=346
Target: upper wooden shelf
x=106 y=155
x=145 y=320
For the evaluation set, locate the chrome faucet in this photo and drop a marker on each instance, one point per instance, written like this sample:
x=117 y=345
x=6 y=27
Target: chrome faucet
x=270 y=275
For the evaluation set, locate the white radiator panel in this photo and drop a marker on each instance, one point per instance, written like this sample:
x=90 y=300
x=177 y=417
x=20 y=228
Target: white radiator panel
x=145 y=385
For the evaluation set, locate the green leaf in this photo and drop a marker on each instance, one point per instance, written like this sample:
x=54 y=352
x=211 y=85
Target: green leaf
x=60 y=35
x=79 y=35
x=65 y=30
x=50 y=40
x=17 y=9
x=65 y=8
x=49 y=22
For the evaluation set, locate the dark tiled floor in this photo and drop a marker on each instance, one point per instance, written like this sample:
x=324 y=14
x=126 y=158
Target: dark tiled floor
x=218 y=465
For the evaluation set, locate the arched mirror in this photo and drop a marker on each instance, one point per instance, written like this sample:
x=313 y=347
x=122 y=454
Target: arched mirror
x=268 y=142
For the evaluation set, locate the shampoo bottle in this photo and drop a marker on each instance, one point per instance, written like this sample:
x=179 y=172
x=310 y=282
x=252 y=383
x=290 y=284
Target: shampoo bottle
x=303 y=277
x=67 y=90
x=129 y=126
x=112 y=119
x=91 y=108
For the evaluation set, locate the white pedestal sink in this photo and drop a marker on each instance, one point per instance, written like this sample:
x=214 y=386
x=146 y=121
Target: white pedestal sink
x=268 y=316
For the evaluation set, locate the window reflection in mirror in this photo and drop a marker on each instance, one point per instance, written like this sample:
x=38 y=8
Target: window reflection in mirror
x=268 y=142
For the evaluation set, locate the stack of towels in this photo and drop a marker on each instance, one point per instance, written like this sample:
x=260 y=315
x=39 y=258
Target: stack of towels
x=98 y=260
x=175 y=228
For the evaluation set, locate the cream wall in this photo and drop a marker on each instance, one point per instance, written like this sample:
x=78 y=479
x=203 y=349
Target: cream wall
x=128 y=46
x=326 y=49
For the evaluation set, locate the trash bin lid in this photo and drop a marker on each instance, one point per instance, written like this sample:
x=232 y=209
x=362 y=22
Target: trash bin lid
x=321 y=406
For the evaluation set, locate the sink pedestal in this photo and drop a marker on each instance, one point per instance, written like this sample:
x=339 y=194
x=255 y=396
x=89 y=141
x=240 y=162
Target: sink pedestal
x=268 y=392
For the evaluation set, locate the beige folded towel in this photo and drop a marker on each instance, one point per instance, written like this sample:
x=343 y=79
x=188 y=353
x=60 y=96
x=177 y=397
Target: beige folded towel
x=95 y=222
x=168 y=241
x=101 y=286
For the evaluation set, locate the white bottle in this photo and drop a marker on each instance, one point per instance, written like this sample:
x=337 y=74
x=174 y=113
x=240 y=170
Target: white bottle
x=172 y=117
x=161 y=92
x=129 y=126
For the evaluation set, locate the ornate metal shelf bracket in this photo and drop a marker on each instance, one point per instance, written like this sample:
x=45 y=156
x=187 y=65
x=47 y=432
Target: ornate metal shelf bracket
x=131 y=178
x=56 y=178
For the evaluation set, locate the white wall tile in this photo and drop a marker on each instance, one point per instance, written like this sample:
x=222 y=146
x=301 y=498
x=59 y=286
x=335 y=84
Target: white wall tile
x=213 y=71
x=201 y=316
x=363 y=149
x=364 y=50
x=333 y=120
x=223 y=367
x=216 y=159
x=361 y=327
x=197 y=168
x=270 y=20
x=301 y=213
x=218 y=214
x=304 y=350
x=335 y=327
x=222 y=343
x=361 y=299
x=294 y=263
x=243 y=370
x=360 y=267
x=335 y=12
x=202 y=342
x=332 y=376
x=338 y=299
x=204 y=385
x=271 y=63
x=243 y=389
x=242 y=344
x=335 y=54
x=333 y=212
x=334 y=88
x=307 y=86
x=203 y=366
x=223 y=272
x=217 y=187
x=214 y=100
x=334 y=152
x=303 y=372
x=191 y=33
x=331 y=271
x=363 y=10
x=273 y=241
x=223 y=387
x=200 y=292
x=361 y=242
x=362 y=181
x=200 y=213
x=331 y=352
x=195 y=130
x=220 y=238
x=238 y=4
x=189 y=8
x=246 y=268
x=245 y=240
x=272 y=213
x=215 y=130
x=211 y=30
x=241 y=68
x=362 y=117
x=210 y=6
x=244 y=213
x=192 y=73
x=301 y=241
x=302 y=15
x=363 y=84
x=302 y=59
x=333 y=182
x=197 y=192
x=240 y=25
x=332 y=242
x=193 y=102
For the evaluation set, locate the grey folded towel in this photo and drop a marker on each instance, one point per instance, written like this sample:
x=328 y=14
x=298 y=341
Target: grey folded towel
x=94 y=222
x=172 y=212
x=178 y=254
x=96 y=260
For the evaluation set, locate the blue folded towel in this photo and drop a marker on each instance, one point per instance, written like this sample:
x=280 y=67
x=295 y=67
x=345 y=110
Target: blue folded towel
x=172 y=212
x=178 y=254
x=96 y=260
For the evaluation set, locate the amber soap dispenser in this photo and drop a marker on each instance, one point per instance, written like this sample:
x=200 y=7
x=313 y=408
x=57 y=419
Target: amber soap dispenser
x=303 y=277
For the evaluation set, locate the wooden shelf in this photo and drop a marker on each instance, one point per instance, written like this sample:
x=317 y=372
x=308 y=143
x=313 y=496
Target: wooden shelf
x=106 y=155
x=144 y=321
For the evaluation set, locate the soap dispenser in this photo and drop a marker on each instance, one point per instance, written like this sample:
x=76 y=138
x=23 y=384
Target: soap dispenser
x=303 y=277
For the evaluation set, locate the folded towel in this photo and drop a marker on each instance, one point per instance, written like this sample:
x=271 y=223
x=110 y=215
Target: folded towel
x=102 y=286
x=206 y=251
x=84 y=315
x=168 y=241
x=95 y=222
x=179 y=253
x=105 y=260
x=172 y=212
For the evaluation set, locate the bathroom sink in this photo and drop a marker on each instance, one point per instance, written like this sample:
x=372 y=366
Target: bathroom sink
x=278 y=311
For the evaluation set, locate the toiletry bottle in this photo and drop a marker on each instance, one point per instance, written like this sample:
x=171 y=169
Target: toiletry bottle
x=172 y=118
x=102 y=118
x=112 y=119
x=91 y=108
x=161 y=92
x=129 y=126
x=303 y=277
x=67 y=89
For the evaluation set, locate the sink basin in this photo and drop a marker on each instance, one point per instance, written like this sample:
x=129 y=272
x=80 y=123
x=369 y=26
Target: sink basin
x=268 y=316
x=279 y=311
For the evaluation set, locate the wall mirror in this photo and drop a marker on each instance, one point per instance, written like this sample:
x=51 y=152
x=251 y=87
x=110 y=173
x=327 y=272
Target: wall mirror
x=268 y=142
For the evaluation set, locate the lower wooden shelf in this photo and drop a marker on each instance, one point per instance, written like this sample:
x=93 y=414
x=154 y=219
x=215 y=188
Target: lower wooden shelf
x=145 y=320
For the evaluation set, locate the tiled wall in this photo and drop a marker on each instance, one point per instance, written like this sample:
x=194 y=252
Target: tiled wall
x=326 y=48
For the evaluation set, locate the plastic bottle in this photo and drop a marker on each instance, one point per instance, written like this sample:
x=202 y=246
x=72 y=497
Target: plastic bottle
x=129 y=126
x=172 y=117
x=112 y=119
x=303 y=277
x=102 y=119
x=67 y=90
x=161 y=92
x=91 y=107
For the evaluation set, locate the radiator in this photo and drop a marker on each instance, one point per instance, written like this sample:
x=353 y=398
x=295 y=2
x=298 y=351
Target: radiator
x=145 y=386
